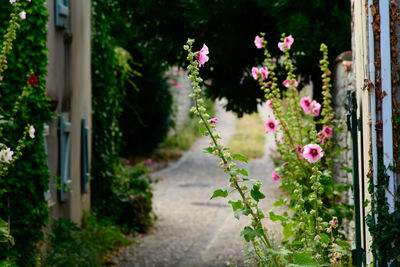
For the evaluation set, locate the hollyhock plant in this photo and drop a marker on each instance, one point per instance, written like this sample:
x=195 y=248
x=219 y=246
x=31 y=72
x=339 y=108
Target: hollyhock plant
x=214 y=120
x=254 y=73
x=258 y=42
x=286 y=44
x=288 y=83
x=312 y=153
x=305 y=103
x=32 y=80
x=6 y=155
x=22 y=15
x=327 y=131
x=275 y=177
x=269 y=104
x=322 y=136
x=289 y=41
x=203 y=55
x=315 y=107
x=271 y=125
x=32 y=132
x=264 y=73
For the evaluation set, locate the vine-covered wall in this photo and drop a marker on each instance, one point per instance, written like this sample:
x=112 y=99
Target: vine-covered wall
x=23 y=204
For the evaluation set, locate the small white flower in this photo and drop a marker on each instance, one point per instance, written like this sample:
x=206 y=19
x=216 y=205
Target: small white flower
x=12 y=1
x=28 y=0
x=6 y=155
x=22 y=15
x=32 y=131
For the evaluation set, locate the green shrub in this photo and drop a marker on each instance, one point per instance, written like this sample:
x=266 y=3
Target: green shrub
x=133 y=198
x=70 y=245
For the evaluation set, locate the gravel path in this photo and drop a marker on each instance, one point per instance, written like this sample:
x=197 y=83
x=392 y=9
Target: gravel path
x=192 y=230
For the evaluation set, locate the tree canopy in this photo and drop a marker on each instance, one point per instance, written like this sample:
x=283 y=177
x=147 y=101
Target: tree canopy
x=157 y=30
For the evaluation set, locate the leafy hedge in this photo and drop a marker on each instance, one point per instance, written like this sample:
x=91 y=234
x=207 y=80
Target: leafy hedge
x=24 y=203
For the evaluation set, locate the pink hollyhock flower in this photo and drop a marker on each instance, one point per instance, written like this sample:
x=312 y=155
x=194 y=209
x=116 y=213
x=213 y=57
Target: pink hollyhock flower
x=299 y=149
x=316 y=107
x=214 y=120
x=267 y=84
x=6 y=155
x=288 y=83
x=22 y=15
x=32 y=132
x=264 y=73
x=254 y=72
x=271 y=125
x=275 y=177
x=258 y=42
x=289 y=41
x=281 y=46
x=269 y=104
x=305 y=103
x=203 y=55
x=327 y=131
x=148 y=161
x=284 y=164
x=329 y=73
x=312 y=153
x=322 y=136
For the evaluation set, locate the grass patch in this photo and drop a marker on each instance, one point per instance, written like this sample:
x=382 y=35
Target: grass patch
x=70 y=245
x=249 y=138
x=175 y=144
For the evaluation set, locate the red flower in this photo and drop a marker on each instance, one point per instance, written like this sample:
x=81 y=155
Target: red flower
x=32 y=80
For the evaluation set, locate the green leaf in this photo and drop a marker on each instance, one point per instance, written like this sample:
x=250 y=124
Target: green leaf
x=275 y=217
x=219 y=193
x=287 y=231
x=208 y=150
x=243 y=172
x=278 y=252
x=250 y=233
x=202 y=130
x=236 y=204
x=304 y=258
x=240 y=157
x=280 y=202
x=241 y=211
x=256 y=194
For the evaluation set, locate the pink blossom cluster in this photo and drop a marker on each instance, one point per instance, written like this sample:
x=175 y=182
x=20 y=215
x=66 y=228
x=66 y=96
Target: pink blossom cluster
x=290 y=83
x=262 y=71
x=309 y=105
x=286 y=44
x=326 y=132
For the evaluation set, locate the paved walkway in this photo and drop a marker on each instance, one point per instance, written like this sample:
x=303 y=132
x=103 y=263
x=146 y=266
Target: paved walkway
x=192 y=230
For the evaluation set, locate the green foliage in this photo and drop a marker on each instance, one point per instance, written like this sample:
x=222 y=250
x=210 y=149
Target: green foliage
x=24 y=203
x=132 y=203
x=69 y=245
